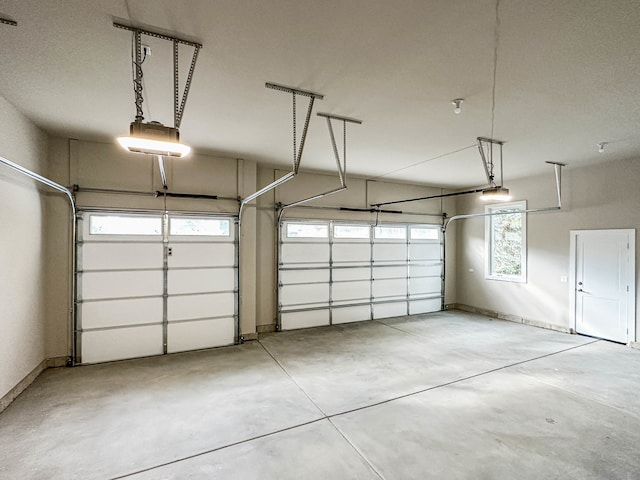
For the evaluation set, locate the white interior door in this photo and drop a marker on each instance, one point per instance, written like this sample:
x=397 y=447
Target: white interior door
x=604 y=283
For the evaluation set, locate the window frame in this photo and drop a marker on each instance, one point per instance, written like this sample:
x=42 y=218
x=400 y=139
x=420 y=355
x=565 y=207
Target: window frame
x=489 y=242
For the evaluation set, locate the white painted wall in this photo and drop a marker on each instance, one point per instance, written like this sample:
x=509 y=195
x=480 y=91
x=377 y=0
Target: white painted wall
x=594 y=197
x=22 y=247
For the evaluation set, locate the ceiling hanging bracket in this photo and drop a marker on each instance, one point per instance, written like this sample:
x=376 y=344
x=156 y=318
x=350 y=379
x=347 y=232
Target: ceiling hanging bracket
x=298 y=149
x=485 y=147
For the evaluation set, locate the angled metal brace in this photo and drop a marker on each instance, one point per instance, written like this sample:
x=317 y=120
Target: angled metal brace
x=178 y=110
x=341 y=165
x=6 y=21
x=297 y=150
x=487 y=160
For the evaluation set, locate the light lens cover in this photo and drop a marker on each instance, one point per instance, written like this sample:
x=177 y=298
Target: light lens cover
x=154 y=147
x=498 y=194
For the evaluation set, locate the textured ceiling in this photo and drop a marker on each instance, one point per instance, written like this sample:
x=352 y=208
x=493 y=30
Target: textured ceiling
x=567 y=77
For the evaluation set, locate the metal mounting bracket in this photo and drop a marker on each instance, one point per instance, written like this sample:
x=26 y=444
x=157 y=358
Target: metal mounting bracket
x=178 y=102
x=485 y=147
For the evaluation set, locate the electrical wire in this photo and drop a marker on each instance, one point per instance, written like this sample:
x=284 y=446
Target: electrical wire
x=424 y=161
x=496 y=38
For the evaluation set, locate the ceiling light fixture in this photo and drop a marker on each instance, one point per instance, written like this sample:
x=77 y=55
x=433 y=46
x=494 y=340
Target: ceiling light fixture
x=457 y=104
x=154 y=138
x=601 y=146
x=498 y=194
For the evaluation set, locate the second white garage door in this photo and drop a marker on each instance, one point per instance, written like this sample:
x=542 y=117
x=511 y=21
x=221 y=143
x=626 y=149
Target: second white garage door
x=337 y=272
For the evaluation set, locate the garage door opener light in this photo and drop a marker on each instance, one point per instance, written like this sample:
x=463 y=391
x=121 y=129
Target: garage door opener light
x=153 y=138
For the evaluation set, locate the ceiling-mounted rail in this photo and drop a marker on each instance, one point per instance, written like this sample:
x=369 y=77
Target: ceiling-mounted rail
x=341 y=164
x=56 y=186
x=429 y=197
x=297 y=149
x=157 y=35
x=558 y=175
x=6 y=21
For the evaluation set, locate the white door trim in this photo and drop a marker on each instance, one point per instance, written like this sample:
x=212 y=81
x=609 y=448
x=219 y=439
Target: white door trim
x=631 y=279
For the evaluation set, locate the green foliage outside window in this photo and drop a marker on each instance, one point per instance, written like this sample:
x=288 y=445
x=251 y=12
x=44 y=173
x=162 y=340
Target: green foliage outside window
x=506 y=243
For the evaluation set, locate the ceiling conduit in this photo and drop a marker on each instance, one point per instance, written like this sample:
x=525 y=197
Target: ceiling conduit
x=50 y=183
x=297 y=150
x=341 y=165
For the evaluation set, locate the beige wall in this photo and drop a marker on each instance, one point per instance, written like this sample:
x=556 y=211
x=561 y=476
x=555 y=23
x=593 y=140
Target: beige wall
x=594 y=197
x=22 y=243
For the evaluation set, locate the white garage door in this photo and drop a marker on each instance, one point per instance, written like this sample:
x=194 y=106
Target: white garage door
x=150 y=284
x=336 y=272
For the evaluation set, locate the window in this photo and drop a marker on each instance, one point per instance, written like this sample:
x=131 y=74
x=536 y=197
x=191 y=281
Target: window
x=351 y=231
x=424 y=233
x=124 y=225
x=395 y=233
x=307 y=230
x=199 y=226
x=506 y=242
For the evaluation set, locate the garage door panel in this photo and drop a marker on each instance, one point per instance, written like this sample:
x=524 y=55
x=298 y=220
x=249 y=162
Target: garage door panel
x=295 y=320
x=304 y=253
x=123 y=284
x=351 y=291
x=340 y=274
x=425 y=270
x=425 y=306
x=304 y=276
x=389 y=272
x=425 y=285
x=351 y=314
x=186 y=307
x=198 y=334
x=201 y=255
x=111 y=313
x=389 y=252
x=200 y=280
x=425 y=251
x=304 y=294
x=386 y=310
x=118 y=256
x=387 y=288
x=121 y=343
x=351 y=252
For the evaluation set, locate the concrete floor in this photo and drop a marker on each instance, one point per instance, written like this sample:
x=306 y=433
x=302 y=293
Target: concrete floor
x=447 y=395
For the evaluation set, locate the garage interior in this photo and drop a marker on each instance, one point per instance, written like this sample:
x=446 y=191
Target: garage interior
x=401 y=246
